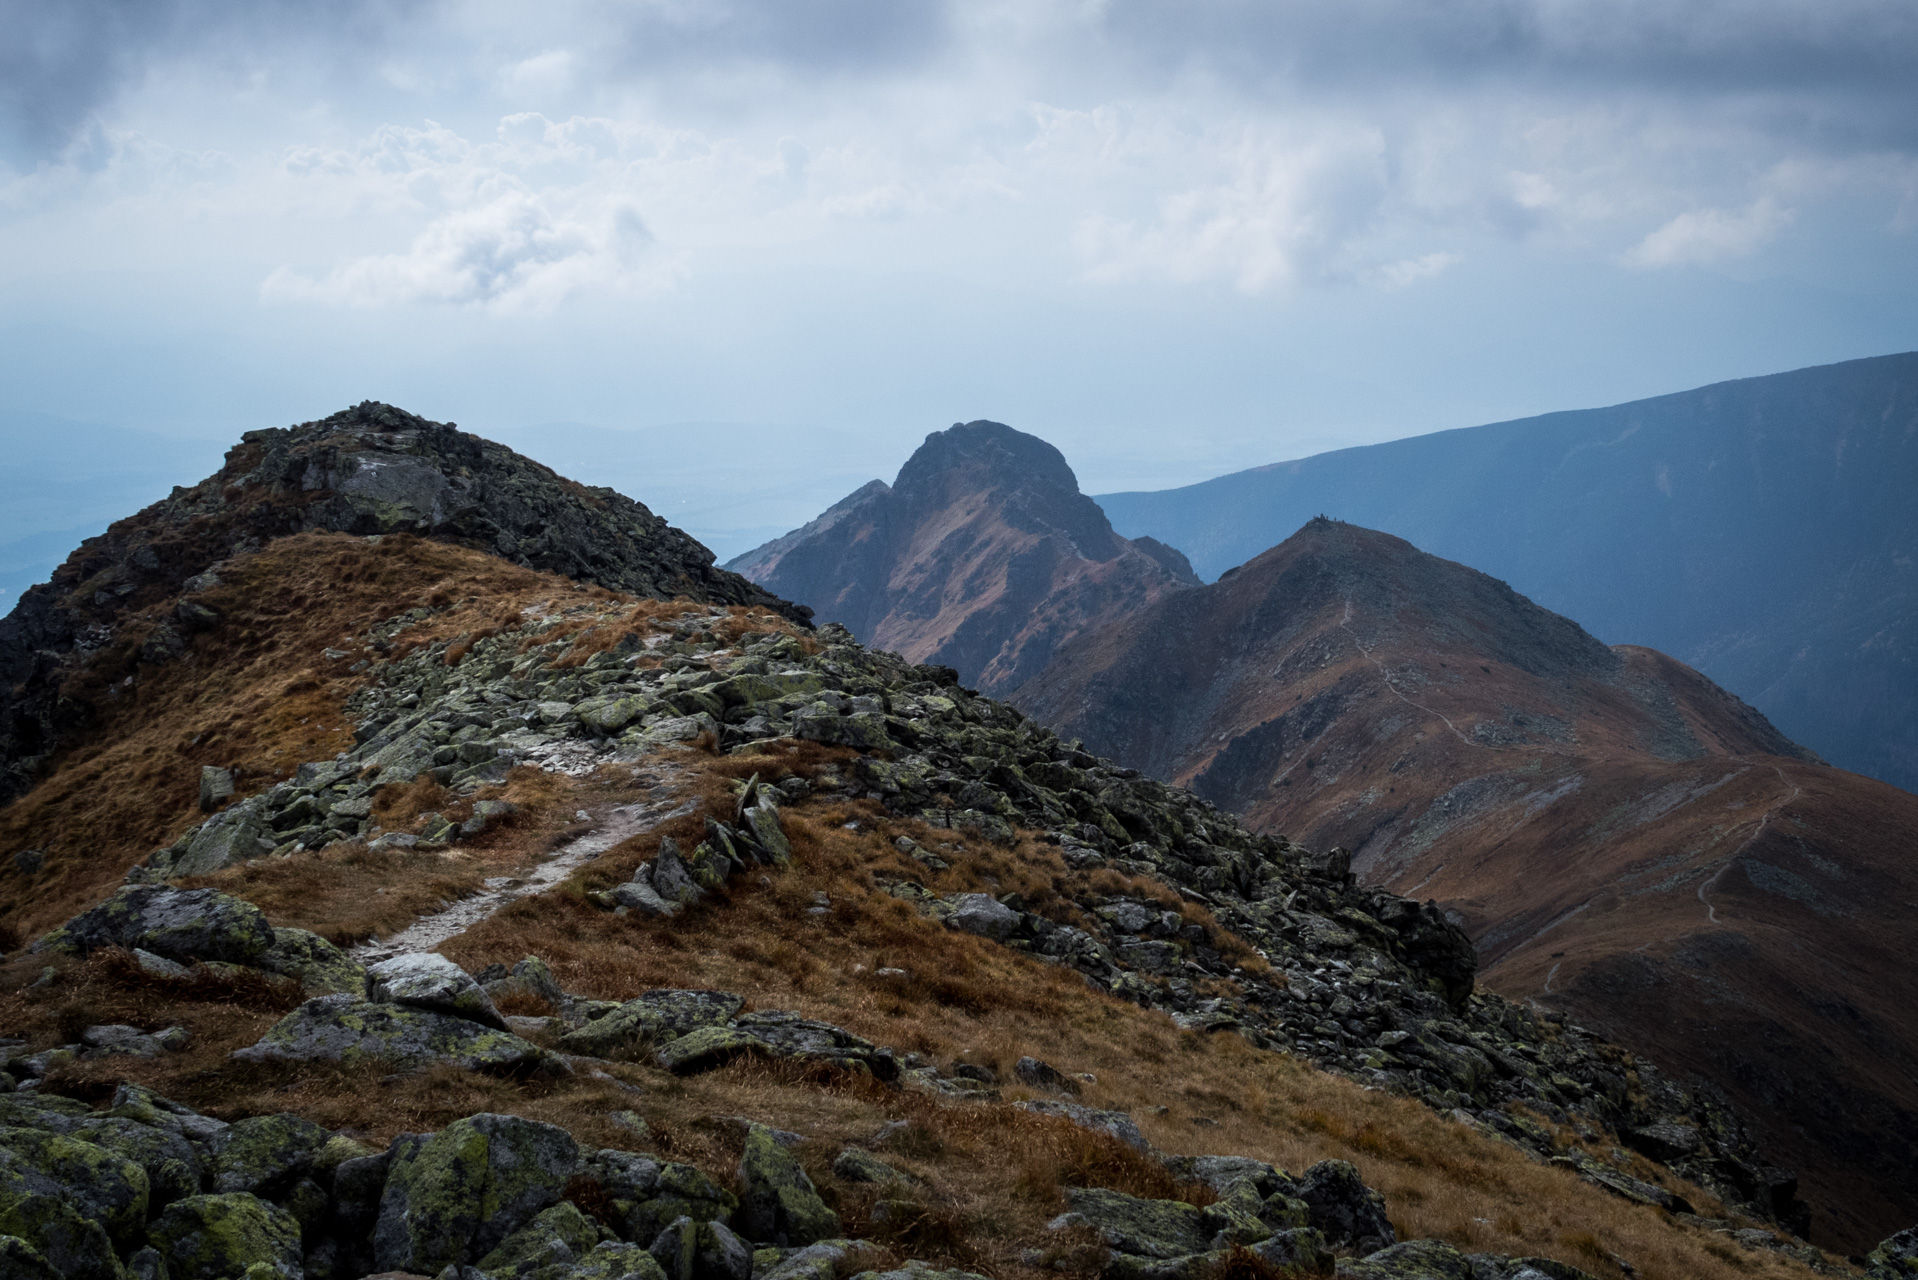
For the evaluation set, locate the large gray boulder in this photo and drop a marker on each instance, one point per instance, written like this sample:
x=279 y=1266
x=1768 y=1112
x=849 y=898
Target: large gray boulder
x=317 y=965
x=183 y=925
x=73 y=1202
x=1895 y=1258
x=346 y=1030
x=1343 y=1208
x=655 y=1016
x=264 y=1155
x=424 y=980
x=215 y=1237
x=984 y=915
x=454 y=1197
x=780 y=1205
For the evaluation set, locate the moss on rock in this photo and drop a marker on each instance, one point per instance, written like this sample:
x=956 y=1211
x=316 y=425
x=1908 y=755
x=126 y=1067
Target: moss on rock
x=217 y=1237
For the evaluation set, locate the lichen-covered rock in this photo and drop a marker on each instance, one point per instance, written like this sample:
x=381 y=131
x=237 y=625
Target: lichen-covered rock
x=454 y=1197
x=41 y=1205
x=533 y=977
x=982 y=914
x=1142 y=1228
x=689 y=1250
x=172 y=1164
x=616 y=1260
x=706 y=1048
x=556 y=1237
x=856 y=1165
x=789 y=1036
x=1348 y=1213
x=179 y=924
x=609 y=714
x=780 y=1205
x=425 y=980
x=647 y=1195
x=1895 y=1258
x=216 y=1237
x=824 y=1260
x=104 y=1187
x=264 y=1155
x=343 y=1029
x=21 y=1261
x=1413 y=1260
x=657 y=1015
x=317 y=965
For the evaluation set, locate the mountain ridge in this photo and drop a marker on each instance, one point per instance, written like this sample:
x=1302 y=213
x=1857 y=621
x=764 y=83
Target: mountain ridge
x=1472 y=747
x=1759 y=530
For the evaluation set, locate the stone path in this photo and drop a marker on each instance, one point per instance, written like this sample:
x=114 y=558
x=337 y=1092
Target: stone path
x=616 y=824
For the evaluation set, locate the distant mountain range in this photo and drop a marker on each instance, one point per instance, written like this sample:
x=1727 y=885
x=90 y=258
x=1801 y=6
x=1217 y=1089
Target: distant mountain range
x=1764 y=531
x=982 y=556
x=1622 y=838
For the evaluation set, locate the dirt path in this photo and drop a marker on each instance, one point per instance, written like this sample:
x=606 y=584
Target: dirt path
x=616 y=824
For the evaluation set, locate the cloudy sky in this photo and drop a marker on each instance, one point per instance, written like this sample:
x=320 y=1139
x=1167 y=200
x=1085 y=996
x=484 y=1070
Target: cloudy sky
x=1175 y=239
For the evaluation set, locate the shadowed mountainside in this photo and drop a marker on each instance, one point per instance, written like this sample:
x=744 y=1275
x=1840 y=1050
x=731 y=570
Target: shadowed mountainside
x=371 y=469
x=1761 y=530
x=1623 y=839
x=983 y=556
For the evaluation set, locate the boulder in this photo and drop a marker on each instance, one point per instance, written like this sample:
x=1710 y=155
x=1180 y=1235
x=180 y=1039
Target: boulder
x=556 y=1237
x=705 y=1049
x=216 y=787
x=425 y=980
x=532 y=976
x=182 y=925
x=616 y=1260
x=216 y=1237
x=637 y=895
x=342 y=1029
x=1043 y=1075
x=855 y=1165
x=689 y=1250
x=172 y=1165
x=1117 y=1124
x=235 y=835
x=1341 y=1207
x=825 y=1260
x=671 y=879
x=780 y=1205
x=1141 y=1228
x=759 y=824
x=984 y=915
x=1895 y=1258
x=264 y=1155
x=1413 y=1260
x=454 y=1197
x=72 y=1202
x=609 y=714
x=316 y=964
x=661 y=1014
x=787 y=1035
x=21 y=1261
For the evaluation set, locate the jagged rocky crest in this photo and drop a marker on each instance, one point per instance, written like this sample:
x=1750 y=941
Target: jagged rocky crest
x=371 y=469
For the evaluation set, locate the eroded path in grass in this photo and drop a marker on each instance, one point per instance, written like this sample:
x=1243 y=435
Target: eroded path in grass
x=614 y=825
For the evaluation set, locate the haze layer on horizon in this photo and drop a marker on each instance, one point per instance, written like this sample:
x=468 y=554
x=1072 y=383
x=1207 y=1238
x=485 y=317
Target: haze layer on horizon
x=1174 y=240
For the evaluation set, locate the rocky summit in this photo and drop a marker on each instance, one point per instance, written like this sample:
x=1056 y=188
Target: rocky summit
x=982 y=555
x=371 y=469
x=601 y=935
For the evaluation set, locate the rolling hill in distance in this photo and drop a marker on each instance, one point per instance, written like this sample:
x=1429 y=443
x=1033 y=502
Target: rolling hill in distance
x=1762 y=530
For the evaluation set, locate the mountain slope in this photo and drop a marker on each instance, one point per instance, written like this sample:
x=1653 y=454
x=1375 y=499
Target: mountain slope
x=1623 y=839
x=982 y=555
x=1761 y=530
x=372 y=469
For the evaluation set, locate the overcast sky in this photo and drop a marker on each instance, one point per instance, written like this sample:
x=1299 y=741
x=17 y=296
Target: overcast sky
x=1175 y=239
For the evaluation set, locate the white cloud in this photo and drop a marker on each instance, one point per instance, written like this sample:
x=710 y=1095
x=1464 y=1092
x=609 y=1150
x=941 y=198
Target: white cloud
x=1709 y=235
x=511 y=253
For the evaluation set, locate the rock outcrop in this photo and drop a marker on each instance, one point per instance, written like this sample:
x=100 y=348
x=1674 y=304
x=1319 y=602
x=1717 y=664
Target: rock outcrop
x=982 y=555
x=371 y=469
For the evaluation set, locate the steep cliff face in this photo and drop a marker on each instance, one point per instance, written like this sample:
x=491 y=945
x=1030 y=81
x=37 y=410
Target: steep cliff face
x=982 y=555
x=372 y=469
x=1623 y=839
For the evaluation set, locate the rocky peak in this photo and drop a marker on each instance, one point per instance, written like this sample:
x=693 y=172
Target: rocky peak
x=983 y=556
x=370 y=469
